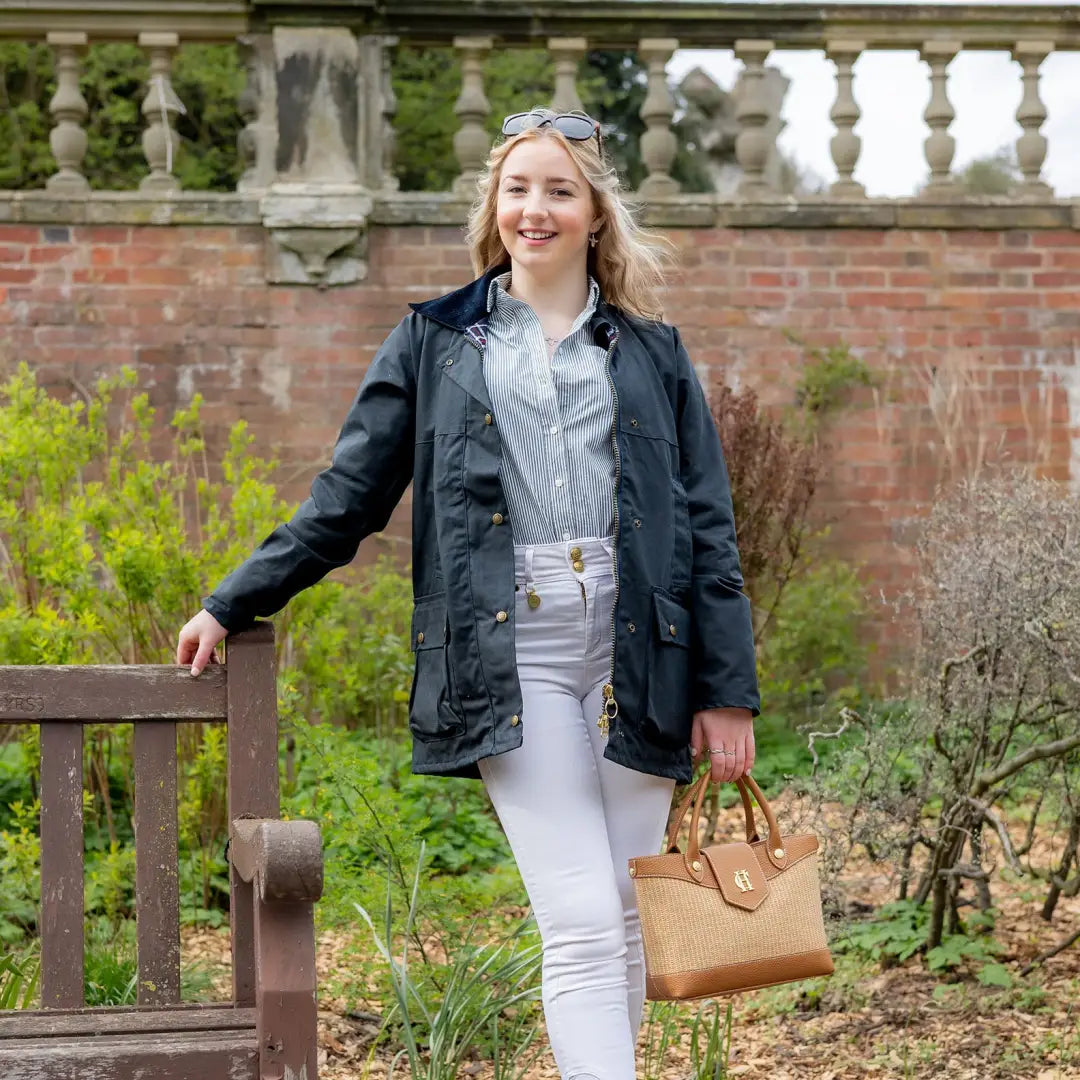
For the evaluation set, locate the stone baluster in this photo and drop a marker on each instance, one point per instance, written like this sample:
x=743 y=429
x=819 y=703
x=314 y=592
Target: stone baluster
x=160 y=107
x=69 y=110
x=658 y=143
x=753 y=144
x=257 y=104
x=845 y=144
x=940 y=146
x=472 y=108
x=1031 y=115
x=388 y=110
x=567 y=54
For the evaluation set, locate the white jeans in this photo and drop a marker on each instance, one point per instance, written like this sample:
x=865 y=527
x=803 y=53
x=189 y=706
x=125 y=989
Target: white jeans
x=574 y=818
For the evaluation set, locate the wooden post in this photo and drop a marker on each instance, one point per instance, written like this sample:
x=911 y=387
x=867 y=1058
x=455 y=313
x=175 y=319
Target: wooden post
x=253 y=776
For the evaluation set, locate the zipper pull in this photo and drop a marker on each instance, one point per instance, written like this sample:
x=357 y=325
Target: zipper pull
x=608 y=710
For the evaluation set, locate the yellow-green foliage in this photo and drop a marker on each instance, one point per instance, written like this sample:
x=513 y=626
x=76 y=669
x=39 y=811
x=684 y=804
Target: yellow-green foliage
x=104 y=551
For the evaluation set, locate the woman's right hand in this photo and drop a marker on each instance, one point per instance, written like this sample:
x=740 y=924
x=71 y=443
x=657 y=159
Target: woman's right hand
x=198 y=639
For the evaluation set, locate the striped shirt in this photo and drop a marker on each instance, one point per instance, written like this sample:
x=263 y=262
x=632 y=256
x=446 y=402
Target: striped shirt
x=555 y=418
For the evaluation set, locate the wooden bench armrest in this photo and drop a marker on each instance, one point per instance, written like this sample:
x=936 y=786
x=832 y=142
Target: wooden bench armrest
x=283 y=859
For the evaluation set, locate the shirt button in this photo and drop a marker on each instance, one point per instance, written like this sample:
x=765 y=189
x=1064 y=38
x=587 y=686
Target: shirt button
x=500 y=616
x=558 y=481
x=496 y=519
x=515 y=720
x=554 y=429
x=566 y=536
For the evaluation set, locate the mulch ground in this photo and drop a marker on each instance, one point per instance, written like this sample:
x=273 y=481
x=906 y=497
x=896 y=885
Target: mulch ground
x=864 y=1022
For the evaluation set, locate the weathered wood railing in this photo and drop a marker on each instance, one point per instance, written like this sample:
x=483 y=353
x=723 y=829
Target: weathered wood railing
x=268 y=1030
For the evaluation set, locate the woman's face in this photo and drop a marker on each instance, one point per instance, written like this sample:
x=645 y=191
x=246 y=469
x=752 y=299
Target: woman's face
x=545 y=209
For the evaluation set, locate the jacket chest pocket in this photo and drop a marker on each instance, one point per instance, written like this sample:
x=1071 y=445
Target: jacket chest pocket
x=667 y=715
x=433 y=709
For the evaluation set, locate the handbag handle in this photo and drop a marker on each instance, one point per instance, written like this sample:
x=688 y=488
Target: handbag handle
x=688 y=798
x=747 y=785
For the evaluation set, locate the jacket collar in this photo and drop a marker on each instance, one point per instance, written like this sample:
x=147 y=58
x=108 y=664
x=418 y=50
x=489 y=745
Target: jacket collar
x=466 y=310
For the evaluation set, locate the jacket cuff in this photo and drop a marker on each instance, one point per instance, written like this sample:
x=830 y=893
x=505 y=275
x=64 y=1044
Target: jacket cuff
x=231 y=620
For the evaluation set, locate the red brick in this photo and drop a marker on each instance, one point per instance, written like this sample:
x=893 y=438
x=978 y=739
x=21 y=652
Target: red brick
x=12 y=253
x=15 y=276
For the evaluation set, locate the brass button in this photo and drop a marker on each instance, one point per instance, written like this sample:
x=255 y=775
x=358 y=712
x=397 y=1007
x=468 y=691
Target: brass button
x=575 y=553
x=496 y=519
x=579 y=566
x=515 y=720
x=671 y=629
x=420 y=638
x=632 y=871
x=631 y=627
x=500 y=616
x=487 y=418
x=449 y=363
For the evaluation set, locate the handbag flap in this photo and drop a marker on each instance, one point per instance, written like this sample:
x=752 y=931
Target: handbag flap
x=738 y=873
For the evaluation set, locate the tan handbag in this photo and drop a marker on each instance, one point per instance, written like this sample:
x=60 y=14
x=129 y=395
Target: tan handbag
x=730 y=917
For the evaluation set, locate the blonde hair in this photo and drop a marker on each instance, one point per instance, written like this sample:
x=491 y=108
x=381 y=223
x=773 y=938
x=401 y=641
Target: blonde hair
x=628 y=262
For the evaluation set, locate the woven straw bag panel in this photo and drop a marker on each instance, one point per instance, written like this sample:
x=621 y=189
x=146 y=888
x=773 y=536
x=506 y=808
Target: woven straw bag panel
x=690 y=928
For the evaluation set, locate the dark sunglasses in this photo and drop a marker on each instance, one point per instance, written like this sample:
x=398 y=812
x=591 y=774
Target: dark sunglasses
x=572 y=125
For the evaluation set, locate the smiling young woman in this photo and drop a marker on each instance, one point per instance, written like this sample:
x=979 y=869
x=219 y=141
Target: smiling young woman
x=580 y=632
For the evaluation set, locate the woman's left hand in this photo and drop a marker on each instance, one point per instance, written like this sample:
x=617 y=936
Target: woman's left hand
x=724 y=729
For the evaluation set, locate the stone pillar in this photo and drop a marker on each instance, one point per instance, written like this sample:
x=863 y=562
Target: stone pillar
x=378 y=105
x=753 y=144
x=1031 y=115
x=317 y=209
x=471 y=141
x=69 y=111
x=940 y=146
x=257 y=142
x=658 y=143
x=845 y=144
x=387 y=111
x=160 y=141
x=567 y=54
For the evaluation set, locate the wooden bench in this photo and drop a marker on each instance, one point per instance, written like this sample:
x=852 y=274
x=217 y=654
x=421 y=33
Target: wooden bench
x=268 y=1029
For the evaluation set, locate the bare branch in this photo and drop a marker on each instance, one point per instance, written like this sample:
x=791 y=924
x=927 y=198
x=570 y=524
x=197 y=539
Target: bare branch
x=846 y=715
x=1027 y=757
x=999 y=826
x=1027 y=969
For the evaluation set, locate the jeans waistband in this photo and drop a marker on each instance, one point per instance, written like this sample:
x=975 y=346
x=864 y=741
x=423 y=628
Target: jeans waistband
x=544 y=562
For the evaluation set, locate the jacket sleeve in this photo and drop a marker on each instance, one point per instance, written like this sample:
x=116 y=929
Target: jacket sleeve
x=354 y=497
x=722 y=637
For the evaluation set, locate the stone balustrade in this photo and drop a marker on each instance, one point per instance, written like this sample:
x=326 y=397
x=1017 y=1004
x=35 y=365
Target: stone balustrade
x=323 y=168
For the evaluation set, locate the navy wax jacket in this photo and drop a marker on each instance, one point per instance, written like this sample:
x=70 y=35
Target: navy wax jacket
x=682 y=638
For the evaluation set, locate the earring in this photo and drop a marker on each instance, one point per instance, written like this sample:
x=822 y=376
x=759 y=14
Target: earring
x=593 y=240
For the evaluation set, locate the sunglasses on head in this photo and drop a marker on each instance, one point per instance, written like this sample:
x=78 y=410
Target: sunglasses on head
x=572 y=125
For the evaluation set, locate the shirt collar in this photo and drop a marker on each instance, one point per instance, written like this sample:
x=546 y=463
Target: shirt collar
x=498 y=299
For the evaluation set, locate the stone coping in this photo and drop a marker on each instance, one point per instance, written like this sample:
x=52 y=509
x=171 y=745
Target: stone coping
x=437 y=208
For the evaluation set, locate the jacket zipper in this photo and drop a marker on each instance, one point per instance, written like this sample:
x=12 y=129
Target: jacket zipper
x=609 y=708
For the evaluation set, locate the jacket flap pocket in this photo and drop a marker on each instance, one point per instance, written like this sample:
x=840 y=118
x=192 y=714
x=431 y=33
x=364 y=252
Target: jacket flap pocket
x=738 y=873
x=429 y=624
x=672 y=621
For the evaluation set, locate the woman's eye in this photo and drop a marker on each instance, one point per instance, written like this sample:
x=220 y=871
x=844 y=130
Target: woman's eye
x=561 y=191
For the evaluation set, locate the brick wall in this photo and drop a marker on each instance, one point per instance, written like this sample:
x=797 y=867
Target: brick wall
x=975 y=336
